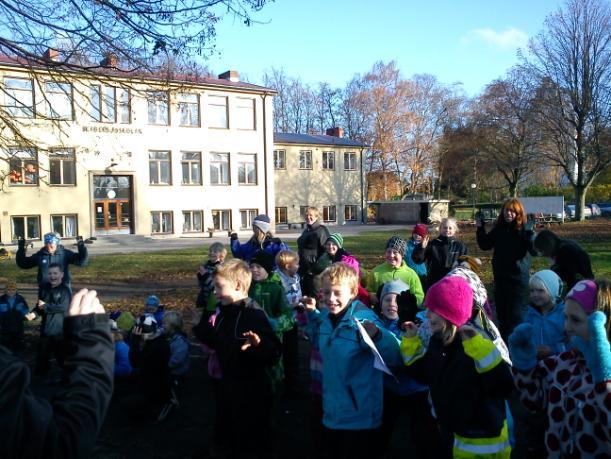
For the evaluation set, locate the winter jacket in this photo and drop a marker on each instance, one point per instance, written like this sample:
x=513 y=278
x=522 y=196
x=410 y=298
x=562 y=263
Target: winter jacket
x=327 y=260
x=66 y=426
x=247 y=251
x=205 y=297
x=577 y=410
x=122 y=366
x=291 y=285
x=57 y=300
x=548 y=329
x=468 y=382
x=179 y=355
x=311 y=246
x=440 y=255
x=151 y=357
x=12 y=313
x=385 y=272
x=42 y=259
x=352 y=387
x=571 y=263
x=420 y=268
x=269 y=294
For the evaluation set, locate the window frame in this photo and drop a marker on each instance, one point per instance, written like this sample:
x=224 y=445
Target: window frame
x=16 y=102
x=302 y=211
x=161 y=214
x=221 y=212
x=326 y=164
x=190 y=163
x=159 y=163
x=228 y=163
x=191 y=218
x=62 y=231
x=243 y=165
x=25 y=227
x=325 y=213
x=192 y=106
x=54 y=95
x=276 y=156
x=12 y=152
x=152 y=97
x=241 y=106
x=307 y=157
x=347 y=155
x=353 y=212
x=53 y=157
x=211 y=110
x=252 y=212
x=278 y=214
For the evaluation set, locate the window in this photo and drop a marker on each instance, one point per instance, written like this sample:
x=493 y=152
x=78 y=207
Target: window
x=191 y=163
x=188 y=107
x=281 y=215
x=350 y=213
x=23 y=163
x=328 y=160
x=245 y=111
x=305 y=159
x=58 y=100
x=246 y=217
x=62 y=167
x=247 y=169
x=328 y=213
x=219 y=169
x=65 y=225
x=161 y=222
x=192 y=221
x=217 y=108
x=221 y=219
x=26 y=227
x=279 y=159
x=160 y=168
x=158 y=107
x=19 y=97
x=349 y=161
x=302 y=211
x=109 y=104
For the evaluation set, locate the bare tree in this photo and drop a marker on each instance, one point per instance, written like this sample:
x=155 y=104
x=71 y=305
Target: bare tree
x=571 y=59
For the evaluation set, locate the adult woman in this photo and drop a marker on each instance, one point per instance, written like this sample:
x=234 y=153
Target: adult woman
x=262 y=240
x=310 y=246
x=512 y=241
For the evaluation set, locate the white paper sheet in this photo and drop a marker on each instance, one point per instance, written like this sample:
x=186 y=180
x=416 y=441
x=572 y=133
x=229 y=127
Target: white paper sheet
x=378 y=361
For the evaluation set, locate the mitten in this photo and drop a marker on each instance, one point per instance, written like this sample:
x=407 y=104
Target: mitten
x=233 y=236
x=522 y=348
x=408 y=306
x=596 y=350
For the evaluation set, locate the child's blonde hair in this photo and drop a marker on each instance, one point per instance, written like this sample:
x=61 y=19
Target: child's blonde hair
x=450 y=221
x=339 y=273
x=116 y=336
x=286 y=257
x=603 y=301
x=173 y=321
x=313 y=210
x=218 y=247
x=235 y=270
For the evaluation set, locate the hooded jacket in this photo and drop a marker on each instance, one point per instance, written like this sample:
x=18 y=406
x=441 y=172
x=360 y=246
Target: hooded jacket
x=441 y=255
x=247 y=251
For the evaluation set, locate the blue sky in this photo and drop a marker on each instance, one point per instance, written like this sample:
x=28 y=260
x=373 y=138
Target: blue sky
x=467 y=41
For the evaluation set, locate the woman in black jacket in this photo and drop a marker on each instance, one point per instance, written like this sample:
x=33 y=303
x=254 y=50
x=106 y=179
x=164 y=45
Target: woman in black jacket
x=512 y=241
x=310 y=246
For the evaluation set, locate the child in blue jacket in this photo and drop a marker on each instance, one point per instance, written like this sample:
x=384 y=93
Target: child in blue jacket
x=352 y=387
x=13 y=311
x=262 y=240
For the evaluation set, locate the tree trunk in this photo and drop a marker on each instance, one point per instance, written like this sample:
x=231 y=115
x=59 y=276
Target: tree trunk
x=580 y=201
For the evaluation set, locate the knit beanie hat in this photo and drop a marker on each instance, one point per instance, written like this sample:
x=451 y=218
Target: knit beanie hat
x=126 y=321
x=152 y=302
x=450 y=298
x=551 y=281
x=337 y=239
x=421 y=230
x=262 y=222
x=584 y=292
x=397 y=244
x=264 y=259
x=51 y=238
x=395 y=286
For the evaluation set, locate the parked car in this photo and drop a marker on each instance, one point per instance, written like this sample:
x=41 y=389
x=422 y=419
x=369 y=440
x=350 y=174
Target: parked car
x=569 y=210
x=605 y=208
x=596 y=211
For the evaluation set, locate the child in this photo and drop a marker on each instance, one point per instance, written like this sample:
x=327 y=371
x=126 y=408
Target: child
x=352 y=387
x=154 y=309
x=247 y=347
x=441 y=254
x=394 y=268
x=216 y=255
x=53 y=305
x=467 y=377
x=573 y=388
x=123 y=367
x=419 y=232
x=262 y=240
x=287 y=263
x=13 y=311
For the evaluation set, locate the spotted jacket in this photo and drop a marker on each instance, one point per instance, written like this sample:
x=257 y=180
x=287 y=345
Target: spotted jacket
x=578 y=411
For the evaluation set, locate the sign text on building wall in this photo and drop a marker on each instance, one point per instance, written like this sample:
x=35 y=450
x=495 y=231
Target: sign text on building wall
x=112 y=129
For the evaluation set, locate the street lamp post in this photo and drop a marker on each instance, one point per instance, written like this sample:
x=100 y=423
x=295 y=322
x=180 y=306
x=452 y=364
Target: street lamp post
x=473 y=187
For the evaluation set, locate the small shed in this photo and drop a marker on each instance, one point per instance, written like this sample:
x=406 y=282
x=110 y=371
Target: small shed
x=409 y=211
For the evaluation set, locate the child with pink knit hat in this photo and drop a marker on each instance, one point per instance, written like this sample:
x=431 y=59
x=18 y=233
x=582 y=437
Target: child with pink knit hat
x=467 y=377
x=574 y=387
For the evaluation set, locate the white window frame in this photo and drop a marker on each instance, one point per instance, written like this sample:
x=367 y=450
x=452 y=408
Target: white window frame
x=328 y=212
x=350 y=161
x=19 y=97
x=224 y=169
x=156 y=159
x=247 y=169
x=305 y=159
x=189 y=221
x=109 y=104
x=281 y=215
x=279 y=159
x=350 y=213
x=158 y=108
x=58 y=100
x=188 y=109
x=64 y=159
x=190 y=167
x=218 y=109
x=223 y=220
x=64 y=228
x=328 y=160
x=246 y=114
x=18 y=159
x=247 y=216
x=164 y=223
x=26 y=227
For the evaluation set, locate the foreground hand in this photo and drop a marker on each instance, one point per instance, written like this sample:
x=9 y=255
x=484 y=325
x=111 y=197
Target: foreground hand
x=425 y=241
x=308 y=302
x=521 y=347
x=467 y=332
x=410 y=328
x=252 y=340
x=85 y=302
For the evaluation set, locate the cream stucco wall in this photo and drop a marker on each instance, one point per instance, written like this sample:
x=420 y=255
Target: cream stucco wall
x=317 y=186
x=99 y=145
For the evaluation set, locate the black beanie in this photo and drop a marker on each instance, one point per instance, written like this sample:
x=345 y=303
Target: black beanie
x=265 y=260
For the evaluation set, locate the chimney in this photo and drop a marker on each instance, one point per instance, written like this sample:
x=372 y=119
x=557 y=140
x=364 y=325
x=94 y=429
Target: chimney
x=335 y=132
x=231 y=75
x=51 y=55
x=110 y=60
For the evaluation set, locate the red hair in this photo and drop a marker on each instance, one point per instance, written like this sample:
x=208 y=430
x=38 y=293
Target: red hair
x=515 y=205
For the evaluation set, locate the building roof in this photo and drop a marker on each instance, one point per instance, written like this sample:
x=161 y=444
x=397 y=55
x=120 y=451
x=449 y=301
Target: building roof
x=110 y=72
x=309 y=139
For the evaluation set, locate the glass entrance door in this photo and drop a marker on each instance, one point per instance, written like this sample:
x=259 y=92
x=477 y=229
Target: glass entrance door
x=112 y=215
x=112 y=203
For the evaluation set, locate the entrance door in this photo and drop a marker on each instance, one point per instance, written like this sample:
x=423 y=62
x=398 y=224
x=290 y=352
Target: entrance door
x=112 y=204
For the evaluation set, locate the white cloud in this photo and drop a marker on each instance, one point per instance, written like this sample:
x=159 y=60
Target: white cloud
x=508 y=38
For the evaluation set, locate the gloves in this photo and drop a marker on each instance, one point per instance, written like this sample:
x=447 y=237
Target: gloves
x=522 y=349
x=234 y=236
x=408 y=306
x=596 y=350
x=277 y=240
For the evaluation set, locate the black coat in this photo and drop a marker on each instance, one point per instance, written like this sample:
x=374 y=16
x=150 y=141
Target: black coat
x=42 y=259
x=441 y=255
x=572 y=263
x=311 y=245
x=66 y=427
x=57 y=301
